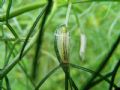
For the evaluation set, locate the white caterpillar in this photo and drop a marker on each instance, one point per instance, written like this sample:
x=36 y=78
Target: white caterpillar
x=83 y=42
x=62 y=37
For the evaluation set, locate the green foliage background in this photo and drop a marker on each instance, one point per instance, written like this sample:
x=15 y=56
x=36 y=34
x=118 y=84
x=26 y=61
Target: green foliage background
x=100 y=21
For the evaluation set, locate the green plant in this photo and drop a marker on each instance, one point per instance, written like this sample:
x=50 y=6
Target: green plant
x=61 y=48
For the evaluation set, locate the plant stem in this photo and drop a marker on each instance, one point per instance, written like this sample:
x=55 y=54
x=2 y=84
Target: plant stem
x=66 y=81
x=37 y=5
x=1 y=83
x=31 y=31
x=96 y=82
x=46 y=77
x=8 y=68
x=62 y=64
x=7 y=83
x=92 y=72
x=103 y=64
x=89 y=1
x=114 y=74
x=22 y=10
x=7 y=17
x=39 y=38
x=68 y=14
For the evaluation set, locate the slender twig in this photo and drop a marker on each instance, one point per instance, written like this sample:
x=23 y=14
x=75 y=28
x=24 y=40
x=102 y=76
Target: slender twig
x=114 y=74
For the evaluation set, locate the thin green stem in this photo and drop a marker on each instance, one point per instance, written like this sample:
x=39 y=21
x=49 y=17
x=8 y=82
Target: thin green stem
x=89 y=1
x=66 y=81
x=46 y=77
x=11 y=29
x=92 y=72
x=114 y=74
x=96 y=82
x=12 y=39
x=103 y=64
x=21 y=64
x=39 y=39
x=31 y=31
x=1 y=83
x=37 y=5
x=7 y=17
x=26 y=74
x=68 y=14
x=8 y=68
x=73 y=84
x=6 y=49
x=7 y=83
x=9 y=55
x=22 y=10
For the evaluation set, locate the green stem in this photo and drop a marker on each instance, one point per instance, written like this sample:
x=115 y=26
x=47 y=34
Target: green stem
x=66 y=81
x=37 y=5
x=12 y=39
x=114 y=74
x=1 y=83
x=68 y=14
x=104 y=63
x=39 y=38
x=46 y=77
x=96 y=82
x=9 y=55
x=7 y=83
x=21 y=65
x=7 y=17
x=92 y=72
x=22 y=10
x=8 y=68
x=31 y=31
x=12 y=30
x=89 y=1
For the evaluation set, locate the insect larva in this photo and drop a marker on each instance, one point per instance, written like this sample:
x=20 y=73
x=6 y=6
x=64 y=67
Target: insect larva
x=83 y=41
x=62 y=37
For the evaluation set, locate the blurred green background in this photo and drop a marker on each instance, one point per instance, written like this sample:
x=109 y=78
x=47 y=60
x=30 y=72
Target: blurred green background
x=99 y=21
